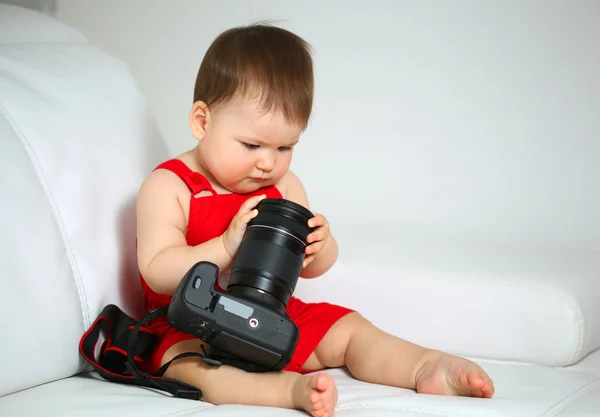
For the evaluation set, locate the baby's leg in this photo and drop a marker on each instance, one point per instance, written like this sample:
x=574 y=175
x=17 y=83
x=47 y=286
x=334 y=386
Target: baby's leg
x=316 y=394
x=373 y=355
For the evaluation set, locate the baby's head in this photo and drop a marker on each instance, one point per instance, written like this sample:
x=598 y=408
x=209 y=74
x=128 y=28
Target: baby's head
x=252 y=100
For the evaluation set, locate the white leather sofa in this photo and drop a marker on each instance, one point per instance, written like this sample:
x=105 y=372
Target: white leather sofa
x=77 y=139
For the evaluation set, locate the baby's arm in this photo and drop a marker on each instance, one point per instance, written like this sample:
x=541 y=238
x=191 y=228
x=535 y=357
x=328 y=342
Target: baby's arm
x=294 y=191
x=163 y=254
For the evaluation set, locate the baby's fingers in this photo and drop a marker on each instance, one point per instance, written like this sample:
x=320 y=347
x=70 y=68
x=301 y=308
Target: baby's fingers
x=308 y=260
x=319 y=234
x=245 y=219
x=251 y=203
x=315 y=247
x=317 y=220
x=242 y=219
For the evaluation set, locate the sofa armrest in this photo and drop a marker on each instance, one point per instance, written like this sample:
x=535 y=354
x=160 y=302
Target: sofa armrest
x=517 y=304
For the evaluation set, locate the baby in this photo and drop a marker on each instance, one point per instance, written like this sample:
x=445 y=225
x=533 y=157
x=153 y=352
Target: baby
x=252 y=100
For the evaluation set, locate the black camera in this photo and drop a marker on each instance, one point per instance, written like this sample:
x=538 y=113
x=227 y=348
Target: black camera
x=247 y=325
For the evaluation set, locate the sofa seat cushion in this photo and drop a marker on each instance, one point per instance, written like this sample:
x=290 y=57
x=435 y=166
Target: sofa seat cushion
x=520 y=304
x=521 y=390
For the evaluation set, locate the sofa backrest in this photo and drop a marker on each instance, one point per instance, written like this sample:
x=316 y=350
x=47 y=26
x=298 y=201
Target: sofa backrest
x=76 y=142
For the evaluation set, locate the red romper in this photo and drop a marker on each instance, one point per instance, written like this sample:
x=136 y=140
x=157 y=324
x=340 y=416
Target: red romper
x=210 y=217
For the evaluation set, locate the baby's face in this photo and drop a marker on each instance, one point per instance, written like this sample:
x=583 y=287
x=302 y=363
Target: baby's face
x=246 y=149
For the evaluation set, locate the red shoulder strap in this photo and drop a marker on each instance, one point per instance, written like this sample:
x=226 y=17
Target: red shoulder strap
x=195 y=181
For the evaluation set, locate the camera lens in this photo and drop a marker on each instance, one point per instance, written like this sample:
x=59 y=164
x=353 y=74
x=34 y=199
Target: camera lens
x=269 y=260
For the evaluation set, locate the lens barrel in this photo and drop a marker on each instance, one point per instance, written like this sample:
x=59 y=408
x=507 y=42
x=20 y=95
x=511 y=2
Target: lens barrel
x=270 y=257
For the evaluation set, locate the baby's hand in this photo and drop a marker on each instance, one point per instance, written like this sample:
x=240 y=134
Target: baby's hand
x=317 y=239
x=232 y=238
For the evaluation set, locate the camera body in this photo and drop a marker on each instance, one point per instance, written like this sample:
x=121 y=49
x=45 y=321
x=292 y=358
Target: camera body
x=247 y=324
x=243 y=330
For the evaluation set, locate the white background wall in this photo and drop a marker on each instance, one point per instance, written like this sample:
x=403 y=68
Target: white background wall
x=464 y=120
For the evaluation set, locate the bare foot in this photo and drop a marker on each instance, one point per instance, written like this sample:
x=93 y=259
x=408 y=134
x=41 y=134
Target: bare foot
x=445 y=374
x=317 y=394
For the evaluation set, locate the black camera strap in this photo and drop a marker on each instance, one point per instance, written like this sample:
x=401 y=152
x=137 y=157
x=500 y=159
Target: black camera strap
x=127 y=344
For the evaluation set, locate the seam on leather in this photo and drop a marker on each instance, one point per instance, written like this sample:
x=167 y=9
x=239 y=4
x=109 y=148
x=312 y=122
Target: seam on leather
x=585 y=394
x=560 y=405
x=569 y=301
x=400 y=408
x=189 y=410
x=578 y=350
x=55 y=212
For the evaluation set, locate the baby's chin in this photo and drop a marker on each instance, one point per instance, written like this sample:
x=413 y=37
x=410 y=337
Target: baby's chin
x=249 y=186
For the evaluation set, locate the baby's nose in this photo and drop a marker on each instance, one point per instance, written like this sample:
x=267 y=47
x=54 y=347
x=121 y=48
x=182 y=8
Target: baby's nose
x=266 y=163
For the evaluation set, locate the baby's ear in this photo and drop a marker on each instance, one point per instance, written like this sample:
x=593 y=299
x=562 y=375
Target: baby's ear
x=199 y=119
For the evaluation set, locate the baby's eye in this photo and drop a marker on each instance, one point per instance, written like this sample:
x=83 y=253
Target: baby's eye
x=285 y=148
x=250 y=145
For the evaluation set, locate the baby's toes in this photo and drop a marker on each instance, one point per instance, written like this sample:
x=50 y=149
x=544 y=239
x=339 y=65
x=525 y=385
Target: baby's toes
x=317 y=404
x=488 y=388
x=475 y=384
x=481 y=385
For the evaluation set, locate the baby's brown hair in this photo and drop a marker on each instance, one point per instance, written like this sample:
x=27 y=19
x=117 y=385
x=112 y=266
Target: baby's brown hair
x=260 y=62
